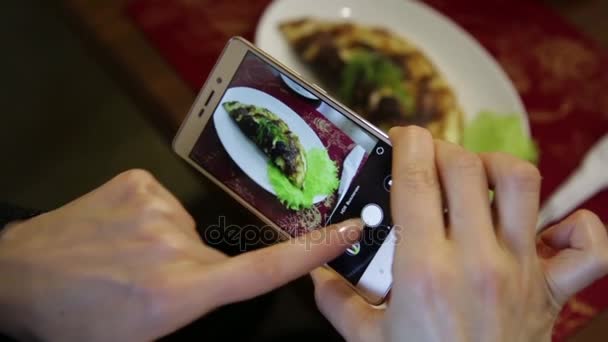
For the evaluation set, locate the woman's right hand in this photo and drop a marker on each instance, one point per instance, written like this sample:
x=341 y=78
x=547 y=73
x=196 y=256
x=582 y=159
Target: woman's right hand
x=472 y=274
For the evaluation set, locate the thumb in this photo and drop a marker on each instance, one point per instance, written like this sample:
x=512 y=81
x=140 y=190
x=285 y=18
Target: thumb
x=348 y=312
x=255 y=273
x=581 y=242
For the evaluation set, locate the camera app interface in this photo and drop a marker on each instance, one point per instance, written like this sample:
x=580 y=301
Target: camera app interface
x=297 y=160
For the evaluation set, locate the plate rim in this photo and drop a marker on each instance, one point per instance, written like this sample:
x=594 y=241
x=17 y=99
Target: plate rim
x=480 y=50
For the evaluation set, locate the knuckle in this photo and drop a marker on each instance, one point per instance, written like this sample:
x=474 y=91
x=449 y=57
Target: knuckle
x=146 y=206
x=163 y=210
x=524 y=176
x=591 y=225
x=136 y=176
x=587 y=218
x=136 y=183
x=167 y=244
x=149 y=210
x=465 y=161
x=416 y=177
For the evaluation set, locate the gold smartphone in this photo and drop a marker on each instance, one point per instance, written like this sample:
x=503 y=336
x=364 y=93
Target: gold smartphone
x=295 y=157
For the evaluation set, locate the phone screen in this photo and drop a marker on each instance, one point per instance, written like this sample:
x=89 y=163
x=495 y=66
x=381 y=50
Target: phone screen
x=298 y=160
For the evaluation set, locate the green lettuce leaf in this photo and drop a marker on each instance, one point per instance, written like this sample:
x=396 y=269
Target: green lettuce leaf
x=321 y=179
x=375 y=71
x=491 y=132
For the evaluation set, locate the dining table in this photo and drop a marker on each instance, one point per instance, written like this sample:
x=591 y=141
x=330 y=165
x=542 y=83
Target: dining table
x=554 y=52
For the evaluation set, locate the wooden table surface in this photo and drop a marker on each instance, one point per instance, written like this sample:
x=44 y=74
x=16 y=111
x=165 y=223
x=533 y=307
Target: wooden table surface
x=158 y=90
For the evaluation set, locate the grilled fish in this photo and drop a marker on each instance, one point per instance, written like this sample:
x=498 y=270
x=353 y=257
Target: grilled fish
x=273 y=137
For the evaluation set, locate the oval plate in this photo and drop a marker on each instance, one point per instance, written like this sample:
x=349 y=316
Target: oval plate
x=242 y=150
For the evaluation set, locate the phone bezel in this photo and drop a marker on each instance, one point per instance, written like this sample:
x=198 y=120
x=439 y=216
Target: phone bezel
x=226 y=66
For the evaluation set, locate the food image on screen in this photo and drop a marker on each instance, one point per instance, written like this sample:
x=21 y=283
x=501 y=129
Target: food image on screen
x=296 y=159
x=272 y=135
x=291 y=157
x=381 y=76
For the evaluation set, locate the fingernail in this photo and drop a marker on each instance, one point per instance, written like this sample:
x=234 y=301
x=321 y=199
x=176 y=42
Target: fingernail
x=350 y=230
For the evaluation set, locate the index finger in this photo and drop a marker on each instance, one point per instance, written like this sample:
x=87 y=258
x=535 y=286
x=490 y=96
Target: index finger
x=416 y=205
x=258 y=272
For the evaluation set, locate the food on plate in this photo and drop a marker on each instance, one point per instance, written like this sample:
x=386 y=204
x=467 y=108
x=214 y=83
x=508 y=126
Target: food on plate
x=492 y=132
x=321 y=179
x=273 y=137
x=381 y=76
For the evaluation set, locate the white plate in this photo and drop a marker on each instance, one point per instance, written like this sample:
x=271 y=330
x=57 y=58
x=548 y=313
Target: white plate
x=298 y=88
x=478 y=80
x=242 y=150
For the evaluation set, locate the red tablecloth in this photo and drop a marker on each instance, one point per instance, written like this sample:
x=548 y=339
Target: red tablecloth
x=209 y=153
x=560 y=74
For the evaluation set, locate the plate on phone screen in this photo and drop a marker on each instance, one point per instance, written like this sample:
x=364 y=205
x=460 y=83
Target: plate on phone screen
x=477 y=79
x=298 y=89
x=250 y=158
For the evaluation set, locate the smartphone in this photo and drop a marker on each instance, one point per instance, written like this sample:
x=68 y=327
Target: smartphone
x=295 y=157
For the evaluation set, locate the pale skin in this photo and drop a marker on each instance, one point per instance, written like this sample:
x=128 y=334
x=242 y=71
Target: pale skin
x=124 y=263
x=127 y=257
x=473 y=274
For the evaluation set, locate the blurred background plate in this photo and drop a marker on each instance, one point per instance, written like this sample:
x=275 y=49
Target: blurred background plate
x=478 y=80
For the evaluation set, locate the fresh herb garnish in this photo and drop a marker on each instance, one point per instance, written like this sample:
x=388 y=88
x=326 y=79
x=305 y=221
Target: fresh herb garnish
x=268 y=128
x=375 y=71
